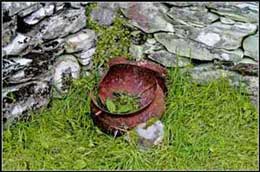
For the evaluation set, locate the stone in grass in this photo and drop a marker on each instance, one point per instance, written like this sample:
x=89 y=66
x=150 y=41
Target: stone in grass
x=148 y=134
x=66 y=68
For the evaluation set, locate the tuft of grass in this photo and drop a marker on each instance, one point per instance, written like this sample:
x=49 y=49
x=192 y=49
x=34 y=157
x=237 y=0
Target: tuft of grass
x=210 y=127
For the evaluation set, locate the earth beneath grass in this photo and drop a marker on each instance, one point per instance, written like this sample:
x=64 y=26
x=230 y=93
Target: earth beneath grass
x=212 y=127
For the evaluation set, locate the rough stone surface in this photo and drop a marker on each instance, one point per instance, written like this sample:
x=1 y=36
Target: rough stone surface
x=219 y=35
x=80 y=41
x=12 y=65
x=38 y=15
x=13 y=8
x=195 y=16
x=251 y=46
x=225 y=20
x=147 y=17
x=19 y=43
x=239 y=11
x=149 y=136
x=184 y=47
x=169 y=59
x=62 y=24
x=65 y=69
x=24 y=97
x=85 y=57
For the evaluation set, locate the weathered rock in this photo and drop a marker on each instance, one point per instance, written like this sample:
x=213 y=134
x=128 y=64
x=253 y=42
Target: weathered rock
x=37 y=68
x=24 y=97
x=104 y=13
x=18 y=44
x=228 y=37
x=147 y=17
x=205 y=73
x=169 y=59
x=194 y=16
x=251 y=46
x=12 y=65
x=239 y=11
x=60 y=25
x=81 y=41
x=233 y=56
x=38 y=15
x=184 y=47
x=85 y=57
x=225 y=20
x=30 y=10
x=9 y=31
x=149 y=136
x=66 y=68
x=14 y=7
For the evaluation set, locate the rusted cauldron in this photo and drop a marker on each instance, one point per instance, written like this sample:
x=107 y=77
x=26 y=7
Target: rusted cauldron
x=144 y=78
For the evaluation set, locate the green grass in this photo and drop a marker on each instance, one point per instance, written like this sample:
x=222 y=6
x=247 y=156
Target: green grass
x=206 y=127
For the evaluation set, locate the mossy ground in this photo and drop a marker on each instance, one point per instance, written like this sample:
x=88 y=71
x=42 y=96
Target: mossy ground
x=212 y=127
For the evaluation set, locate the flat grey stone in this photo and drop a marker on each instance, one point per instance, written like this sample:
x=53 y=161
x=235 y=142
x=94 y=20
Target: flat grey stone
x=184 y=47
x=38 y=15
x=60 y=25
x=169 y=59
x=238 y=11
x=219 y=35
x=225 y=20
x=147 y=17
x=15 y=7
x=251 y=46
x=194 y=16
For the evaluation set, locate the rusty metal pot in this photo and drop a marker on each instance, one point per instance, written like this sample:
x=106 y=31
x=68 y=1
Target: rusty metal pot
x=144 y=78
